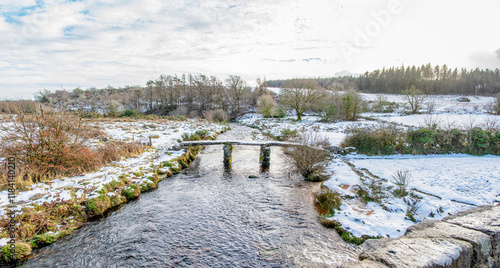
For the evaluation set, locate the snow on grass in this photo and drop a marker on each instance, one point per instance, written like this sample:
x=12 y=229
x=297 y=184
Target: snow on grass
x=446 y=121
x=442 y=103
x=165 y=133
x=335 y=132
x=441 y=185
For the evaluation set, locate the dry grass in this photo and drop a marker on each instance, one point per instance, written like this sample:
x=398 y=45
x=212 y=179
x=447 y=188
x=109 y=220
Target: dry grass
x=47 y=145
x=21 y=107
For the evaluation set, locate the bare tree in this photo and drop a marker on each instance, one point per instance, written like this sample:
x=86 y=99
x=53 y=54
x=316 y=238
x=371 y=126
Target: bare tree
x=236 y=91
x=415 y=99
x=300 y=95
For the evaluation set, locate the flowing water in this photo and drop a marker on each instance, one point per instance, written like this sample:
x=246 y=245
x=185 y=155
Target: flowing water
x=210 y=217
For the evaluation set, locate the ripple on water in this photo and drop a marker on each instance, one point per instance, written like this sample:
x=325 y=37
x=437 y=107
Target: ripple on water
x=205 y=217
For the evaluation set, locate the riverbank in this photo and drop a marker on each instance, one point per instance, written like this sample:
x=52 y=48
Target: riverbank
x=375 y=202
x=53 y=209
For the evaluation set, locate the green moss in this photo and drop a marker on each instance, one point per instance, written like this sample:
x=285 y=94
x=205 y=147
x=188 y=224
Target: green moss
x=175 y=170
x=346 y=235
x=146 y=186
x=43 y=239
x=114 y=185
x=183 y=164
x=116 y=200
x=132 y=191
x=98 y=205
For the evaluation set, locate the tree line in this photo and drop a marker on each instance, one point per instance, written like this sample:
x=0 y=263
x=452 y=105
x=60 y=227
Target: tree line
x=429 y=79
x=186 y=95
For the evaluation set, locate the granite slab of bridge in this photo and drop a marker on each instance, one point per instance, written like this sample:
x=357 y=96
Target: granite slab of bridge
x=265 y=149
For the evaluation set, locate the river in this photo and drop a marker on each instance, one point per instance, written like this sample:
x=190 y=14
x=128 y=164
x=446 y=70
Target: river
x=209 y=217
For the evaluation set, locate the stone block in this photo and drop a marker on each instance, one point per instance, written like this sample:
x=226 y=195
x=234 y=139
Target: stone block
x=437 y=229
x=419 y=252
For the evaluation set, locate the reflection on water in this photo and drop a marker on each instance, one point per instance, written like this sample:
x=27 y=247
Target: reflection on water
x=206 y=217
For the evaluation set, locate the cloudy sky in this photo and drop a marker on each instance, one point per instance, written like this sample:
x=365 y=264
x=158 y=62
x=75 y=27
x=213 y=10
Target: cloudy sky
x=54 y=44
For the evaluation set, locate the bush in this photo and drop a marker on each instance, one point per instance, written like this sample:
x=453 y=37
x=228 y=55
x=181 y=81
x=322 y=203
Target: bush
x=21 y=107
x=116 y=150
x=190 y=137
x=267 y=106
x=218 y=115
x=343 y=106
x=386 y=141
x=328 y=200
x=49 y=144
x=22 y=250
x=380 y=141
x=422 y=140
x=287 y=134
x=479 y=140
x=130 y=113
x=463 y=99
x=310 y=157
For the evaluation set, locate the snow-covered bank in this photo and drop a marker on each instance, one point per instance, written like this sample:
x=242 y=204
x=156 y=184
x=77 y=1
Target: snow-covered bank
x=441 y=185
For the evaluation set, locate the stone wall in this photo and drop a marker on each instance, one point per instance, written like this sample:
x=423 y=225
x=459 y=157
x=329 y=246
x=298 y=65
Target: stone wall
x=467 y=239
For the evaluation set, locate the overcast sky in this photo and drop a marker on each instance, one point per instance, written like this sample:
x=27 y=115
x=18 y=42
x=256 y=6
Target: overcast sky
x=56 y=44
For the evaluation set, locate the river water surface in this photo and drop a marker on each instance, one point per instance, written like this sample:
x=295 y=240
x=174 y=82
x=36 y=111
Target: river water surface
x=209 y=217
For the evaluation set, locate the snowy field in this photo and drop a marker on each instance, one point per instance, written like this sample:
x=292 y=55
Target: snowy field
x=440 y=185
x=164 y=136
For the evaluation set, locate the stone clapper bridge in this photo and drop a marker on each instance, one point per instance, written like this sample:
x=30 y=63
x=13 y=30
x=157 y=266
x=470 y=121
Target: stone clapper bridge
x=265 y=149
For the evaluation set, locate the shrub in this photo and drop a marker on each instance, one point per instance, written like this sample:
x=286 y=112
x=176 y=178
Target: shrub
x=287 y=134
x=48 y=145
x=380 y=141
x=217 y=115
x=463 y=99
x=267 y=106
x=21 y=107
x=21 y=250
x=190 y=137
x=479 y=140
x=328 y=200
x=422 y=139
x=413 y=205
x=382 y=105
x=115 y=150
x=346 y=235
x=130 y=113
x=329 y=113
x=310 y=157
x=343 y=106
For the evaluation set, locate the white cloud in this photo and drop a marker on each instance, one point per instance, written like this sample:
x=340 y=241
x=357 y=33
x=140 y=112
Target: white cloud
x=99 y=43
